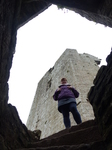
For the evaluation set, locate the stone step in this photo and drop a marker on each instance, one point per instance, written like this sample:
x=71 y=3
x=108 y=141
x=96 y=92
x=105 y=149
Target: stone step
x=83 y=125
x=99 y=145
x=83 y=136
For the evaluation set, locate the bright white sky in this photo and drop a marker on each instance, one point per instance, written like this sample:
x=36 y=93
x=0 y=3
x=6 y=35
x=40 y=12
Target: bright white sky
x=41 y=42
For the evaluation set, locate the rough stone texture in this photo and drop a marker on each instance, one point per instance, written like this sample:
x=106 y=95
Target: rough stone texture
x=30 y=10
x=99 y=11
x=7 y=45
x=80 y=70
x=100 y=96
x=76 y=138
x=13 y=133
x=15 y=13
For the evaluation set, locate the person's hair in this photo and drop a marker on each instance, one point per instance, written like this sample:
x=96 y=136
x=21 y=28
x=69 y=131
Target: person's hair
x=63 y=79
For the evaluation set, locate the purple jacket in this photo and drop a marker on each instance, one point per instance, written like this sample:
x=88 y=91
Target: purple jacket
x=65 y=93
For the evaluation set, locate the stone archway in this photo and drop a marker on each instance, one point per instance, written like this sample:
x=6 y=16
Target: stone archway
x=14 y=14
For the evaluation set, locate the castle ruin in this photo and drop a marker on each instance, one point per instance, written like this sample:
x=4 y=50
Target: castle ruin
x=13 y=133
x=80 y=70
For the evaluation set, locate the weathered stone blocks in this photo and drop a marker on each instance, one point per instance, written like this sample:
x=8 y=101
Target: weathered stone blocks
x=100 y=96
x=80 y=70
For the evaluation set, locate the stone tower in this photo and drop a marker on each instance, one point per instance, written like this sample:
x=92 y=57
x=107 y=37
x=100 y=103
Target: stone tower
x=80 y=70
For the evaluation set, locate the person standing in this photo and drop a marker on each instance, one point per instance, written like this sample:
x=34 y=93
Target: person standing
x=66 y=96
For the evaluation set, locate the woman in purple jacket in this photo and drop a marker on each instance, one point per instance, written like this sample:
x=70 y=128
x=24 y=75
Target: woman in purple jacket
x=66 y=96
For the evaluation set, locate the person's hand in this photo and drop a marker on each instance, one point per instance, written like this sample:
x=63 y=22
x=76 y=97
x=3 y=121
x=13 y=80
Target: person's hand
x=59 y=89
x=69 y=87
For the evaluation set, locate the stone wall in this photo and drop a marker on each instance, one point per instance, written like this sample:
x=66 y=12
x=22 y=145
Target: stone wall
x=80 y=70
x=100 y=96
x=13 y=14
x=13 y=133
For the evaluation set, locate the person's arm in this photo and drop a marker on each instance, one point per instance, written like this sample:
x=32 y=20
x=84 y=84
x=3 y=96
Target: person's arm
x=55 y=96
x=76 y=93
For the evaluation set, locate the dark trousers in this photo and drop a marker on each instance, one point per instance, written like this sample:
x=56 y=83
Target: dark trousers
x=71 y=107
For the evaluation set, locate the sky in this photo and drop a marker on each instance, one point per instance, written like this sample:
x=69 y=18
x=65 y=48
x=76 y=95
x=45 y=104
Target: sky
x=42 y=41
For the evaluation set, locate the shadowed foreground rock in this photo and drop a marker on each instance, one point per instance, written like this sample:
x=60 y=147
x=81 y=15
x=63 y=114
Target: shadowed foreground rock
x=13 y=133
x=100 y=96
x=85 y=136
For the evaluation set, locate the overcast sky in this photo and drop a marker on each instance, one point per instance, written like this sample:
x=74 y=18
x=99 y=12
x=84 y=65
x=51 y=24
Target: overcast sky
x=41 y=42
